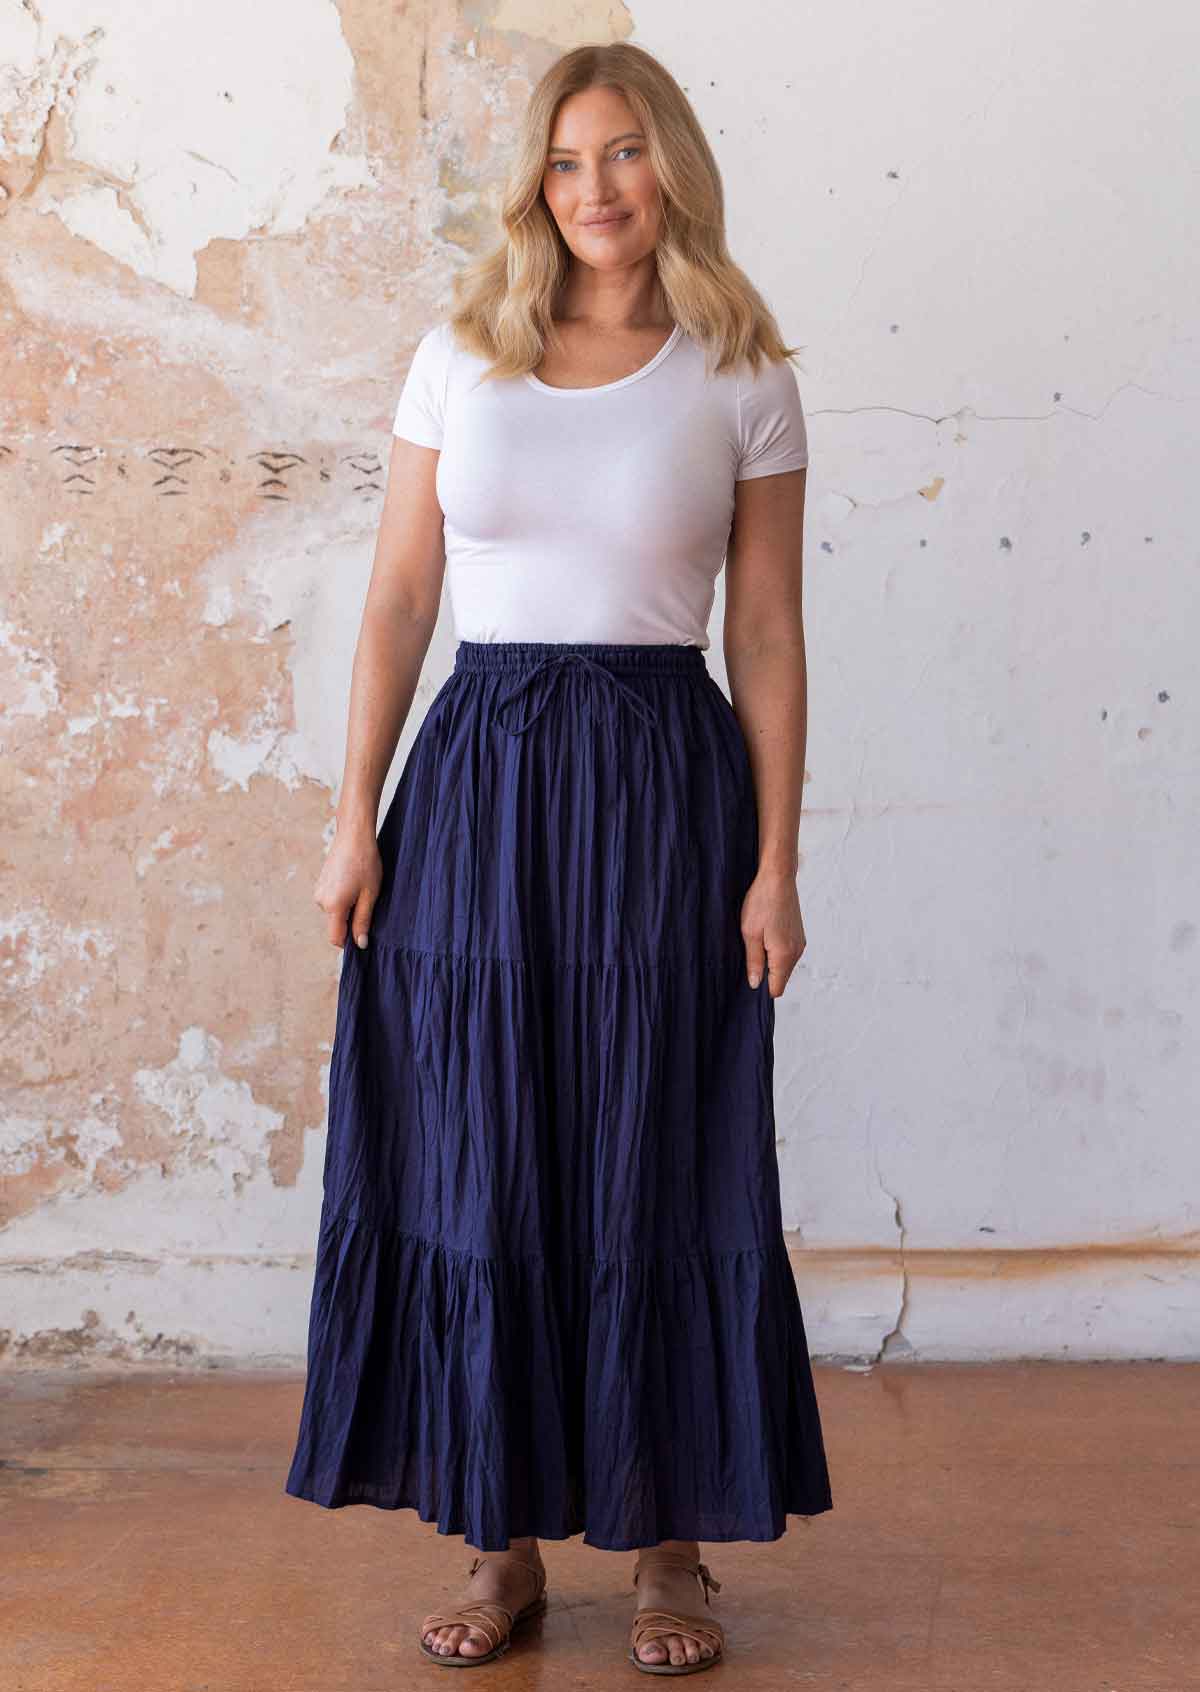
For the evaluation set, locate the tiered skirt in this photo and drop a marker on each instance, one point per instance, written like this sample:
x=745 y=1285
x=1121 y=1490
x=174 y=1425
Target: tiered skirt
x=552 y=1294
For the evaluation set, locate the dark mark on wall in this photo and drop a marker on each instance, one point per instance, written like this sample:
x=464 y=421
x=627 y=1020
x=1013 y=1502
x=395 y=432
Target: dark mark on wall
x=276 y=463
x=368 y=465
x=79 y=482
x=1085 y=537
x=172 y=460
x=1005 y=543
x=1163 y=696
x=76 y=469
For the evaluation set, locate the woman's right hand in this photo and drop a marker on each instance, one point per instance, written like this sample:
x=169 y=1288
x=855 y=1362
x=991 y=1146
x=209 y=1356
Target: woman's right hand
x=349 y=883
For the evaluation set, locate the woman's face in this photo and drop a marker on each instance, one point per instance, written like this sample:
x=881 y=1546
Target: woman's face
x=598 y=182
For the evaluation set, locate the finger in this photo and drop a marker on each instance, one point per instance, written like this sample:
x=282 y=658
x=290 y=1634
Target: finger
x=756 y=957
x=337 y=926
x=780 y=964
x=361 y=921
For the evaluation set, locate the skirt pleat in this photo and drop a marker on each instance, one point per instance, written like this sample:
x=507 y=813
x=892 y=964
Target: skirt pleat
x=552 y=1294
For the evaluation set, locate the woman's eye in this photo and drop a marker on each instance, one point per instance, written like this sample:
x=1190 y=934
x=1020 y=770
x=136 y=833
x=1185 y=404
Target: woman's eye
x=556 y=163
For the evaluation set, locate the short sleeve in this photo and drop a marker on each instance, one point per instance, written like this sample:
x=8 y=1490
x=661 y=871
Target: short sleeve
x=771 y=431
x=420 y=415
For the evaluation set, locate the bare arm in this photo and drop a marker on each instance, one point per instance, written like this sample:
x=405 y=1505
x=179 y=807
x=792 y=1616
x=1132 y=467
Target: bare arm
x=397 y=625
x=768 y=682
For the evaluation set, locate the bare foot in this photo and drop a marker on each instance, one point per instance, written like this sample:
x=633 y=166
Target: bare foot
x=503 y=1576
x=675 y=1590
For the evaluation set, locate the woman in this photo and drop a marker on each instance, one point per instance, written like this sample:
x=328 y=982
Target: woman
x=552 y=1293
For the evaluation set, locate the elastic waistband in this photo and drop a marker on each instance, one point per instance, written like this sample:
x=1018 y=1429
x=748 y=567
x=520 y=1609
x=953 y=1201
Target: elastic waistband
x=523 y=654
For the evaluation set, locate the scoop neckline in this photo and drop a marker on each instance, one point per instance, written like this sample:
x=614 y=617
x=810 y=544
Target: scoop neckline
x=608 y=387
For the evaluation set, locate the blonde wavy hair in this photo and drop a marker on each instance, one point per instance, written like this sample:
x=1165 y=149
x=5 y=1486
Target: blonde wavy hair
x=504 y=301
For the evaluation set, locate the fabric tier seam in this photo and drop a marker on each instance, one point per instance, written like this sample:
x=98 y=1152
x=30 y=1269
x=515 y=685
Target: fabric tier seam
x=559 y=958
x=764 y=1250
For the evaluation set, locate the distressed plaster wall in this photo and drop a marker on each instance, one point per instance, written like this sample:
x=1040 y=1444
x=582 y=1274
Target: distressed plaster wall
x=219 y=241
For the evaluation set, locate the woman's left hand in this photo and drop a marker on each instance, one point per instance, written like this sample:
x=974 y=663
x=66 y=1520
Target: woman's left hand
x=772 y=928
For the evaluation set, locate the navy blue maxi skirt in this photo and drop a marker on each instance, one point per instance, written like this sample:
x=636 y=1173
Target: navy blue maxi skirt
x=552 y=1293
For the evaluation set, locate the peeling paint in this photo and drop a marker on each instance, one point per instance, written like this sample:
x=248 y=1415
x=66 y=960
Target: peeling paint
x=28 y=687
x=210 y=1117
x=556 y=26
x=149 y=166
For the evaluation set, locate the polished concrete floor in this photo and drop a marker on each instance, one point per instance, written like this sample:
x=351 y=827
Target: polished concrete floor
x=1002 y=1528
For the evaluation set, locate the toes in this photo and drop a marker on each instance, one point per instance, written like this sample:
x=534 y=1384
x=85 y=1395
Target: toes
x=673 y=1648
x=457 y=1641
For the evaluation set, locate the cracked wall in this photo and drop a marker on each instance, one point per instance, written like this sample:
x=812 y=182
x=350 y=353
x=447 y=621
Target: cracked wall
x=218 y=245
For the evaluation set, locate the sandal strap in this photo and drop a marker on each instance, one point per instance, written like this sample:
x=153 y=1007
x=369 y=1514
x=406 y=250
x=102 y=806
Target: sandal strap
x=650 y=1624
x=473 y=1616
x=514 y=1561
x=652 y=1558
x=707 y=1579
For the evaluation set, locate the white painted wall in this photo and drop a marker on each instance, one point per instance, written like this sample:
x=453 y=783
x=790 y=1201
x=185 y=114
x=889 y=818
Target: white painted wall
x=975 y=220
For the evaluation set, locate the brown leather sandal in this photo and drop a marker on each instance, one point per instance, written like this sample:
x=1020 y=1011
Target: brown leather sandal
x=484 y=1615
x=653 y=1624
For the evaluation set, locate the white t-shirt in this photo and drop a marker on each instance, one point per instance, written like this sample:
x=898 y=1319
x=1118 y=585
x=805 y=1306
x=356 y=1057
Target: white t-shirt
x=593 y=514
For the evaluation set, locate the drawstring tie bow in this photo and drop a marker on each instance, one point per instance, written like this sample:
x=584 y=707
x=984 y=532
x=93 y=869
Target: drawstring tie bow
x=559 y=660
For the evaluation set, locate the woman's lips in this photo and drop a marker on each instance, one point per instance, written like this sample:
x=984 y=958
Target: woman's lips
x=607 y=222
